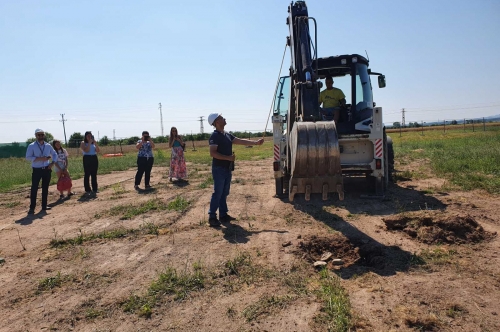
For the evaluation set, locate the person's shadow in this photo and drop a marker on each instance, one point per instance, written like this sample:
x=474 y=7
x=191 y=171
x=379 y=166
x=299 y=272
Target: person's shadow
x=28 y=219
x=235 y=234
x=180 y=183
x=147 y=191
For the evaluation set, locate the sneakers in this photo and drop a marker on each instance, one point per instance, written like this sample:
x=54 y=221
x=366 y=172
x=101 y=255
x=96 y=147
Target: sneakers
x=31 y=211
x=148 y=186
x=213 y=222
x=61 y=196
x=227 y=218
x=136 y=187
x=47 y=208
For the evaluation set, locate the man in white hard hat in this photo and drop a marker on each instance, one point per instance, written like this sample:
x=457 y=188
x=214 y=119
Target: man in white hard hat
x=39 y=154
x=221 y=151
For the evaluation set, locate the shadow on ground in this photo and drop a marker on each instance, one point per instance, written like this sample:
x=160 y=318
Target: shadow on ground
x=373 y=256
x=234 y=233
x=396 y=200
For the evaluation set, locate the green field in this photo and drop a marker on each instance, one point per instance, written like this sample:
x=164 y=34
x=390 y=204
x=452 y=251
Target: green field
x=468 y=160
x=17 y=171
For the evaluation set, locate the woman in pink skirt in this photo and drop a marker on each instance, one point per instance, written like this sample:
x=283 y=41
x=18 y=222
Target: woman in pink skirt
x=177 y=162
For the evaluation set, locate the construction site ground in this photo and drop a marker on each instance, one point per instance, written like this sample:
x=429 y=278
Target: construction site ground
x=419 y=259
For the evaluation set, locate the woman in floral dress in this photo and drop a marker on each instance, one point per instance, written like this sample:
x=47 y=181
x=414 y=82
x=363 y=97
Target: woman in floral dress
x=177 y=162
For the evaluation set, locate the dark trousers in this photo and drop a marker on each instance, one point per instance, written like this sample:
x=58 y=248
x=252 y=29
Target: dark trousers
x=144 y=166
x=90 y=166
x=222 y=183
x=44 y=174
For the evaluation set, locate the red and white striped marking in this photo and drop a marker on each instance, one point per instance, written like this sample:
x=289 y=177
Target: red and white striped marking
x=276 y=152
x=378 y=148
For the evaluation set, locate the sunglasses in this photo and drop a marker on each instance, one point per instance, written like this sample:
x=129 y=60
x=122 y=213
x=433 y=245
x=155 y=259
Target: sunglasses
x=40 y=134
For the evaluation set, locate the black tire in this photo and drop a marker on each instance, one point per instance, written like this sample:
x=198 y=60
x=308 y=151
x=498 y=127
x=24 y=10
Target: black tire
x=279 y=187
x=390 y=153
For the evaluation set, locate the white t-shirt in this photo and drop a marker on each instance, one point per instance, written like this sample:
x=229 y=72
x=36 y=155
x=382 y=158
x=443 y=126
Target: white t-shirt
x=62 y=160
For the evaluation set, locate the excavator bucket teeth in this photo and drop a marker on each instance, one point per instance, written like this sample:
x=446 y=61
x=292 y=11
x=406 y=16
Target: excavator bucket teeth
x=315 y=159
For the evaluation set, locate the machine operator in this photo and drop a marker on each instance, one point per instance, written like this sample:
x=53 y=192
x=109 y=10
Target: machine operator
x=332 y=99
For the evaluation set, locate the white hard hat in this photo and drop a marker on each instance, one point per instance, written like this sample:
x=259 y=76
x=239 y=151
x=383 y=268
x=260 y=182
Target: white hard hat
x=38 y=130
x=212 y=117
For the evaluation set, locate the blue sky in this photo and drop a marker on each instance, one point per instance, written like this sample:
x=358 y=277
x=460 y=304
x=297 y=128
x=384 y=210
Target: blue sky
x=107 y=64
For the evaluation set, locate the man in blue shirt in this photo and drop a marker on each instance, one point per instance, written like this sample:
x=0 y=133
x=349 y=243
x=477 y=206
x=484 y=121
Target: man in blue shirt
x=39 y=153
x=221 y=151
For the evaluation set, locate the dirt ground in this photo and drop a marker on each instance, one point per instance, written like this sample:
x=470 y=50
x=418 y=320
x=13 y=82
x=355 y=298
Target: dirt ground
x=419 y=259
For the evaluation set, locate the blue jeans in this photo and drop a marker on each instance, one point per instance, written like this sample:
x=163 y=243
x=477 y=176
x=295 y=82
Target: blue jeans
x=222 y=182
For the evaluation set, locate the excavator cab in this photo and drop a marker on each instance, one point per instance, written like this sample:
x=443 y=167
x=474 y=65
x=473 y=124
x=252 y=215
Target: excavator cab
x=352 y=76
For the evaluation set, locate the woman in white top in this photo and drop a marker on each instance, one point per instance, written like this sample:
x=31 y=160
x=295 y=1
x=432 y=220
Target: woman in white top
x=90 y=149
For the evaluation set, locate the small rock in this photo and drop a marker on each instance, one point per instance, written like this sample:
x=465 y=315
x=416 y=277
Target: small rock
x=326 y=256
x=2 y=260
x=299 y=236
x=319 y=263
x=337 y=261
x=286 y=244
x=494 y=313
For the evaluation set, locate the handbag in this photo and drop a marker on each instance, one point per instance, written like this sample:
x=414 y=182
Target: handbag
x=64 y=183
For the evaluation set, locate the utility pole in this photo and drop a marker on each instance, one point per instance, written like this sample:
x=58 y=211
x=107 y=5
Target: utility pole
x=201 y=124
x=64 y=128
x=161 y=118
x=114 y=137
x=402 y=121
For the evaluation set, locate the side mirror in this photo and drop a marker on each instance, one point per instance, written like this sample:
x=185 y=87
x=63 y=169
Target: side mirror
x=381 y=81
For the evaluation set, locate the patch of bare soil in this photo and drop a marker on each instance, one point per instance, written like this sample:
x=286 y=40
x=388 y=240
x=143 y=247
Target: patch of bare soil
x=436 y=227
x=317 y=248
x=146 y=260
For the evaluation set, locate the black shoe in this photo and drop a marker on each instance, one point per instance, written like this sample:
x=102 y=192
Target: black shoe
x=47 y=208
x=136 y=187
x=227 y=218
x=213 y=222
x=148 y=186
x=61 y=196
x=31 y=211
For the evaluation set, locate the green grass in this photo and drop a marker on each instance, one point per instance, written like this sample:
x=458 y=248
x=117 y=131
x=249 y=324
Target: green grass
x=266 y=305
x=179 y=204
x=130 y=211
x=468 y=160
x=208 y=182
x=337 y=307
x=49 y=283
x=16 y=172
x=168 y=283
x=437 y=256
x=82 y=237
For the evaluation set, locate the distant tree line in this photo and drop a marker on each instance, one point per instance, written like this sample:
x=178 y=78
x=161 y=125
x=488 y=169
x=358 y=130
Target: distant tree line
x=76 y=138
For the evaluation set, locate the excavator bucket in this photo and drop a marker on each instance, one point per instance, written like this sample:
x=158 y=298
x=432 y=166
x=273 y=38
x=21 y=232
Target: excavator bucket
x=315 y=160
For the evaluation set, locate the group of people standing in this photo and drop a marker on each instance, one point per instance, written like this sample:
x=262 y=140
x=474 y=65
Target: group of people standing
x=44 y=157
x=220 y=143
